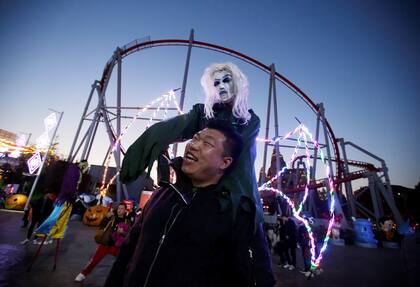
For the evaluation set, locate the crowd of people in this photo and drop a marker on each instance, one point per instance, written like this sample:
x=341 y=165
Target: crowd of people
x=286 y=237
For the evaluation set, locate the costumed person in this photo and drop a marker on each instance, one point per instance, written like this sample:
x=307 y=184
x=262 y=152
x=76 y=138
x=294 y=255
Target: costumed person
x=84 y=179
x=119 y=224
x=56 y=224
x=226 y=91
x=41 y=205
x=187 y=234
x=66 y=176
x=388 y=228
x=49 y=186
x=83 y=184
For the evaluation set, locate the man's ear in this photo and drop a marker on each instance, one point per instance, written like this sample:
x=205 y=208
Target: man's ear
x=227 y=161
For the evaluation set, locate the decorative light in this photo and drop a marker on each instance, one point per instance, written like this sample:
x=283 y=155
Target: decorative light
x=303 y=133
x=19 y=145
x=20 y=140
x=160 y=102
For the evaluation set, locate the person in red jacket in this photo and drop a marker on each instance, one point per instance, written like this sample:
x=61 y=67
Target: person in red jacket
x=119 y=224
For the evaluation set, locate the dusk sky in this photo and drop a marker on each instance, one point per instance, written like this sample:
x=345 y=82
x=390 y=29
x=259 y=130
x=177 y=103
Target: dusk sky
x=360 y=58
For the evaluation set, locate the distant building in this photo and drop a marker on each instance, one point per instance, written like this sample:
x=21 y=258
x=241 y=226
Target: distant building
x=6 y=135
x=13 y=145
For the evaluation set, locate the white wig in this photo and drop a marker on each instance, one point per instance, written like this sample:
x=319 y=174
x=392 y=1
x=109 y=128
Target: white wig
x=240 y=105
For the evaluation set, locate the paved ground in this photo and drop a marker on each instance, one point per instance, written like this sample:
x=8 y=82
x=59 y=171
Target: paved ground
x=344 y=266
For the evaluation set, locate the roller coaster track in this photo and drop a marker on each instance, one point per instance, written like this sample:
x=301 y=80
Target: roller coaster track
x=364 y=165
x=138 y=45
x=320 y=183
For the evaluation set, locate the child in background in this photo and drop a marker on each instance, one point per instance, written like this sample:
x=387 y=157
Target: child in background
x=120 y=232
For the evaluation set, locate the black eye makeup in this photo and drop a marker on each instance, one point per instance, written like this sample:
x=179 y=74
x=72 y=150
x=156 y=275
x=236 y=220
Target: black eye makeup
x=227 y=79
x=216 y=83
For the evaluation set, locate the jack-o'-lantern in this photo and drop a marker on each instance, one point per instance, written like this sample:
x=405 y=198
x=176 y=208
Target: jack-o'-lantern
x=94 y=215
x=16 y=202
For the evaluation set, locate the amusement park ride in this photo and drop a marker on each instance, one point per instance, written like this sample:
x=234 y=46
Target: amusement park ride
x=335 y=160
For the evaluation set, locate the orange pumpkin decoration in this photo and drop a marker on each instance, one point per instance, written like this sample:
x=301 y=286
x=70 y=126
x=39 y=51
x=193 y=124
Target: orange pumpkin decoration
x=94 y=215
x=16 y=202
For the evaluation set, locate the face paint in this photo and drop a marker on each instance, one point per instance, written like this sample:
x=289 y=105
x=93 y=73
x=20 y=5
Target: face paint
x=223 y=82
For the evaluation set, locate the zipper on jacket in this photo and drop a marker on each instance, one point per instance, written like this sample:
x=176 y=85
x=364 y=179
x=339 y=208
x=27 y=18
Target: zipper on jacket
x=162 y=239
x=251 y=257
x=180 y=194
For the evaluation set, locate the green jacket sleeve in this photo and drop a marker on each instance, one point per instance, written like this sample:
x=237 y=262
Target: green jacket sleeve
x=146 y=149
x=242 y=178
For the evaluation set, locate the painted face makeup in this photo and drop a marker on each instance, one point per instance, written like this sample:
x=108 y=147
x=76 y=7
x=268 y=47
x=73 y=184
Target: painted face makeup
x=223 y=82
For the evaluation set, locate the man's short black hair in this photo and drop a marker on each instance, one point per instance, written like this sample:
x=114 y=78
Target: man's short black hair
x=233 y=144
x=122 y=203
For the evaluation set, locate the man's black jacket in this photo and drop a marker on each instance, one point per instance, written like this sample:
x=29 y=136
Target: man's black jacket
x=189 y=237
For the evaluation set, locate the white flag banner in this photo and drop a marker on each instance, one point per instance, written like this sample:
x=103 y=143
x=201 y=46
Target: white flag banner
x=34 y=162
x=50 y=122
x=42 y=141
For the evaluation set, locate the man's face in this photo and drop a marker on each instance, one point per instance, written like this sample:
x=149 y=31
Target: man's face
x=121 y=210
x=223 y=82
x=204 y=160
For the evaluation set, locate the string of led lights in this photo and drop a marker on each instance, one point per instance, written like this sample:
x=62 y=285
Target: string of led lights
x=161 y=101
x=303 y=133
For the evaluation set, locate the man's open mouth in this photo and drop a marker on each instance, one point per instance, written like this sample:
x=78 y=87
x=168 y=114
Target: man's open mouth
x=190 y=157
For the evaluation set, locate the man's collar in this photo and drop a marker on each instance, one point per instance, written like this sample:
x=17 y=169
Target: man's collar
x=184 y=181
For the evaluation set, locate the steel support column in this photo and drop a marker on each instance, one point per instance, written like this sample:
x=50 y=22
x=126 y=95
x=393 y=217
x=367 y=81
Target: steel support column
x=349 y=189
x=91 y=128
x=389 y=200
x=117 y=153
x=374 y=196
x=337 y=206
x=184 y=81
x=276 y=130
x=267 y=130
x=81 y=121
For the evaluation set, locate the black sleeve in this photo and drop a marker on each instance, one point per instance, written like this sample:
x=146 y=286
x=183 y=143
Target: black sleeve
x=252 y=259
x=262 y=259
x=118 y=271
